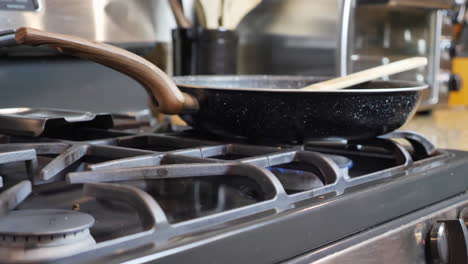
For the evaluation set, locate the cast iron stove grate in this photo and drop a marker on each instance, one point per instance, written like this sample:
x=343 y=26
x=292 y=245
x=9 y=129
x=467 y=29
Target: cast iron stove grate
x=149 y=192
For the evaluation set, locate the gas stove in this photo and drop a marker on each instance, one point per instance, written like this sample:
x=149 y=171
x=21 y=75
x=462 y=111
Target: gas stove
x=133 y=195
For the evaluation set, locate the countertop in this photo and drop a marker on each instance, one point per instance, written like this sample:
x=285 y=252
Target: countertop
x=446 y=128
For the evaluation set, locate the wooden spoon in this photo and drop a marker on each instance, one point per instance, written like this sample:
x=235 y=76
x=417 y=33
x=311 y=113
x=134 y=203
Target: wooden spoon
x=233 y=11
x=200 y=14
x=178 y=11
x=209 y=13
x=368 y=75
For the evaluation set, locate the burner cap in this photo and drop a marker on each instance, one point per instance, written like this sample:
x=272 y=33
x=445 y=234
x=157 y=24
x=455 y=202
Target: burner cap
x=41 y=235
x=297 y=180
x=40 y=222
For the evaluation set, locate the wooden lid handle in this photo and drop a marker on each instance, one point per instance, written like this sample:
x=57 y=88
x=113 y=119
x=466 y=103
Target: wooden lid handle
x=170 y=99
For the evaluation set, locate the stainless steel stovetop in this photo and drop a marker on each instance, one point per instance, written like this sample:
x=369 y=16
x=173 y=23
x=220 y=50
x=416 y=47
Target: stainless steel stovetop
x=87 y=195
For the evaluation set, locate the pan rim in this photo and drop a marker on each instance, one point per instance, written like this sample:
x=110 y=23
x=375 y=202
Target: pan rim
x=179 y=80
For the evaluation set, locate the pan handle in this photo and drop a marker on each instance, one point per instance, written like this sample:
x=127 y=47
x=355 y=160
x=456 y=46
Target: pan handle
x=162 y=90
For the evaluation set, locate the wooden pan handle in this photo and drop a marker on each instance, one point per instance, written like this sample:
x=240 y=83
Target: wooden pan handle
x=170 y=100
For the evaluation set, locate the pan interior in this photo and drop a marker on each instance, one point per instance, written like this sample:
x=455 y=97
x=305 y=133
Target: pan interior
x=281 y=83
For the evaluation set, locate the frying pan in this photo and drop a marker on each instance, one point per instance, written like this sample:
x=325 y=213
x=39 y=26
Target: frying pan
x=256 y=107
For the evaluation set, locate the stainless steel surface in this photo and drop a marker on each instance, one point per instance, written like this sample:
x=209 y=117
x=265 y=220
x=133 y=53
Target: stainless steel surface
x=60 y=82
x=344 y=26
x=274 y=34
x=7 y=39
x=407 y=240
x=67 y=84
x=442 y=67
x=437 y=94
x=34 y=121
x=421 y=3
x=142 y=26
x=113 y=21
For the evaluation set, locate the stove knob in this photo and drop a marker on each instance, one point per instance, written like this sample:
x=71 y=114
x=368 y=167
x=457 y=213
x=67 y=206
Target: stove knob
x=452 y=50
x=448 y=49
x=454 y=83
x=449 y=242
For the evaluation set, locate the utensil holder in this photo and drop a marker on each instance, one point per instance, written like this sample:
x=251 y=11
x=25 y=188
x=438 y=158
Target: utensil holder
x=200 y=51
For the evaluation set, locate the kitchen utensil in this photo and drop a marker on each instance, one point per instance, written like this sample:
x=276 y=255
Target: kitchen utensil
x=35 y=121
x=274 y=107
x=200 y=14
x=233 y=11
x=258 y=107
x=178 y=11
x=368 y=75
x=210 y=12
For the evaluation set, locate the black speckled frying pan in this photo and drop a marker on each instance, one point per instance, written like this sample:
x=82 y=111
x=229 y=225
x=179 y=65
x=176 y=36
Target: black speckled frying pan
x=241 y=105
x=256 y=107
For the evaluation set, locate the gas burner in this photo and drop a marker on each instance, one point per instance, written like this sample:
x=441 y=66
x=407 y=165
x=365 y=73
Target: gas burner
x=298 y=176
x=294 y=180
x=43 y=234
